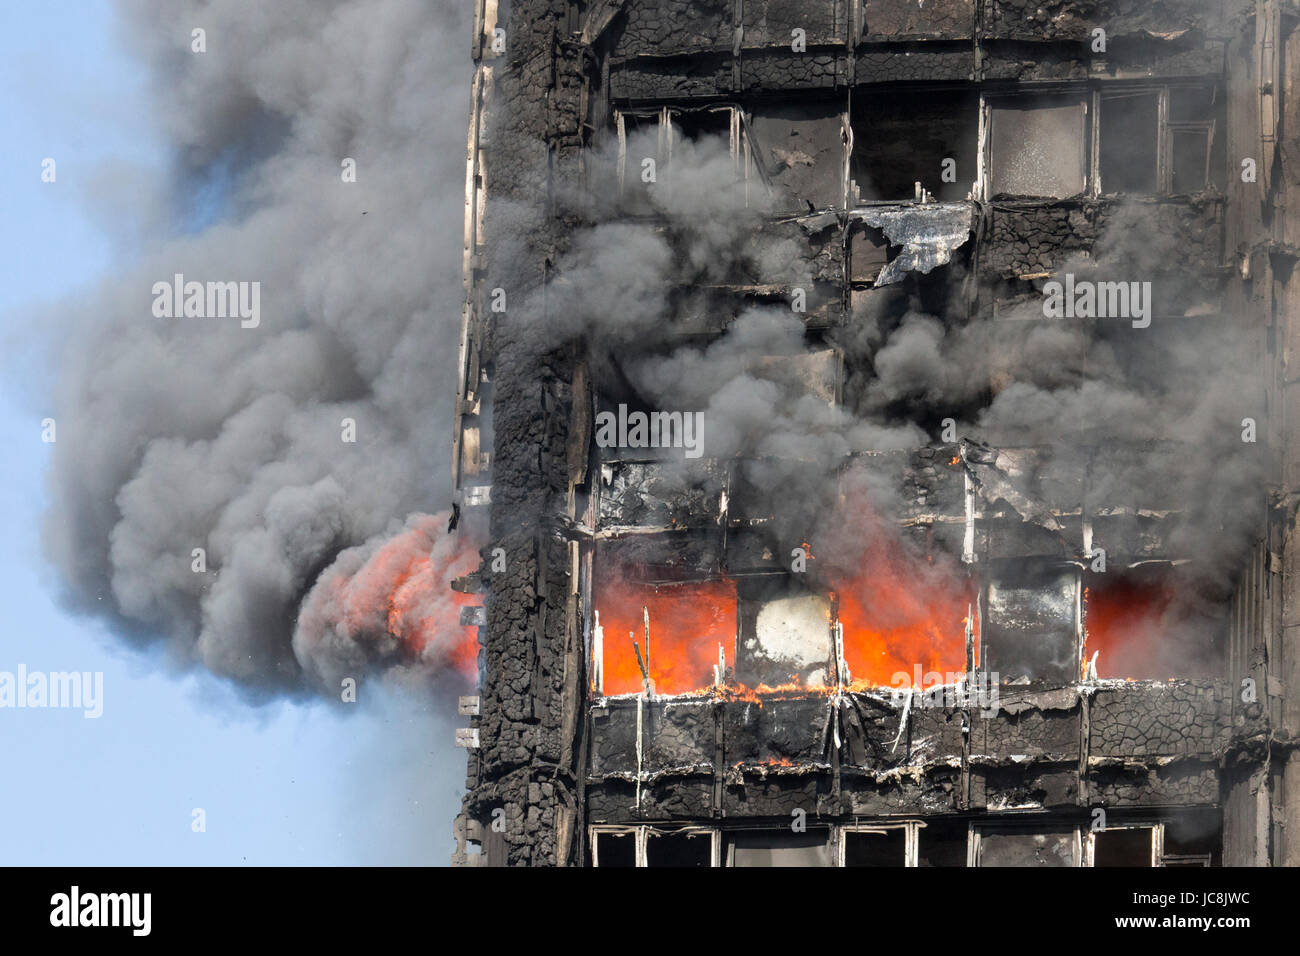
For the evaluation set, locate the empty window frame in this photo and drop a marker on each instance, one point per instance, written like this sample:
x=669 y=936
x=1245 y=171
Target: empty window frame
x=654 y=846
x=1156 y=139
x=1132 y=845
x=652 y=134
x=885 y=844
x=1035 y=145
x=767 y=848
x=1024 y=845
x=1149 y=622
x=942 y=843
x=901 y=138
x=1192 y=838
x=1030 y=626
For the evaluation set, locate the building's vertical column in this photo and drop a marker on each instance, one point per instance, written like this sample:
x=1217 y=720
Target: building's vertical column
x=1286 y=315
x=523 y=797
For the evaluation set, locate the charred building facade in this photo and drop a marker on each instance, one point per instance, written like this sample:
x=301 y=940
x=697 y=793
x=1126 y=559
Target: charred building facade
x=881 y=416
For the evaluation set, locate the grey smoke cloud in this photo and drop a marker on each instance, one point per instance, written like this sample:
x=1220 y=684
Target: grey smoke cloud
x=177 y=433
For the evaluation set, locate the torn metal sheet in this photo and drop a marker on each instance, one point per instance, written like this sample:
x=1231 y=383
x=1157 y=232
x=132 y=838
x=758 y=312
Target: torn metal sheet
x=995 y=475
x=928 y=232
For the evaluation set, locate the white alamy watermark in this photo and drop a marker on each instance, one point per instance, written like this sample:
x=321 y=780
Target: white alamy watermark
x=1085 y=299
x=943 y=690
x=208 y=300
x=75 y=908
x=64 y=690
x=626 y=429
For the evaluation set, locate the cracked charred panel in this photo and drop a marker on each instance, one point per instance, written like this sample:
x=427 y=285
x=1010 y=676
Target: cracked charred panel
x=1187 y=784
x=1076 y=19
x=907 y=19
x=777 y=792
x=770 y=22
x=777 y=732
x=661 y=27
x=659 y=80
x=918 y=62
x=1030 y=628
x=1145 y=238
x=1032 y=787
x=932 y=789
x=774 y=71
x=1173 y=719
x=1038 y=726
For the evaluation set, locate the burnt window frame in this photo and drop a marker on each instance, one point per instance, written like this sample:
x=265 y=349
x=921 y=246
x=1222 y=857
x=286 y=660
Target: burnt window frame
x=1029 y=825
x=1166 y=127
x=642 y=832
x=988 y=100
x=1156 y=827
x=1093 y=97
x=664 y=116
x=911 y=845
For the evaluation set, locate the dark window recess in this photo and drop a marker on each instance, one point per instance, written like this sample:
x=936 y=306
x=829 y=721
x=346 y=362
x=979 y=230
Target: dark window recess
x=901 y=138
x=779 y=848
x=678 y=849
x=941 y=843
x=875 y=849
x=1037 y=146
x=1130 y=128
x=1021 y=848
x=1194 y=839
x=1030 y=627
x=1128 y=847
x=1191 y=159
x=702 y=124
x=615 y=849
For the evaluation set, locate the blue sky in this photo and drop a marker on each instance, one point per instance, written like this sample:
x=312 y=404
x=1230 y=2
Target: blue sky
x=283 y=783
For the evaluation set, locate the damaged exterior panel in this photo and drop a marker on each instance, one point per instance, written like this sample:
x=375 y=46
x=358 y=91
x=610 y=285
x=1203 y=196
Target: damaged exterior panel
x=1038 y=707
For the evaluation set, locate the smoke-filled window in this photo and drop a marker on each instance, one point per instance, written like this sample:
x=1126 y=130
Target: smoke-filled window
x=1130 y=125
x=1158 y=140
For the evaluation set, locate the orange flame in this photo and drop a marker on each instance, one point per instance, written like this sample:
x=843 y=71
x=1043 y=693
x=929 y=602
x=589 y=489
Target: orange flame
x=687 y=623
x=396 y=600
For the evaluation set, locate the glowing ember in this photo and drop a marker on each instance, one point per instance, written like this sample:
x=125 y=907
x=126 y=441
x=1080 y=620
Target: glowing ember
x=899 y=608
